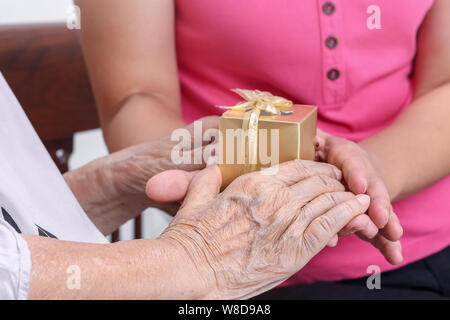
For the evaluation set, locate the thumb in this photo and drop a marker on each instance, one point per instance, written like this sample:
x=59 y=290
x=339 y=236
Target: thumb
x=204 y=187
x=170 y=185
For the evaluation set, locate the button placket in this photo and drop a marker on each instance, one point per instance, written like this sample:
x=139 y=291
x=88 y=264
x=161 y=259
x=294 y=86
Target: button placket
x=332 y=55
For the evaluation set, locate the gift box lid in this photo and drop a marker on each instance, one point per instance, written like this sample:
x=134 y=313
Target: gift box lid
x=300 y=113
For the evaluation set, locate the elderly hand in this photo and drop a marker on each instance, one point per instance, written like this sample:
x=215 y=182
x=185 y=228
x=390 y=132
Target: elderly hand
x=262 y=228
x=134 y=166
x=361 y=176
x=111 y=189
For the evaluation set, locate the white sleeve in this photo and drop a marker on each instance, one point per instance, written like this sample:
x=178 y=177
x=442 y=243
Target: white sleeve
x=15 y=264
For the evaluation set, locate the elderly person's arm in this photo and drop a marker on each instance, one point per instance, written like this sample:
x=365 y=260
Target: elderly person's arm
x=111 y=190
x=236 y=244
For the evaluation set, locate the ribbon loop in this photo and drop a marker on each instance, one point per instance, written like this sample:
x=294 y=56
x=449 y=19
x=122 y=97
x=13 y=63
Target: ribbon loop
x=262 y=100
x=256 y=103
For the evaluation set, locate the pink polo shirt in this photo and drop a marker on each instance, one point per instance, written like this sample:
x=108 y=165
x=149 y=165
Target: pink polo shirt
x=320 y=53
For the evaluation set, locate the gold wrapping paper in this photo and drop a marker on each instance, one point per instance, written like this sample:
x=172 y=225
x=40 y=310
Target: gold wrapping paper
x=281 y=132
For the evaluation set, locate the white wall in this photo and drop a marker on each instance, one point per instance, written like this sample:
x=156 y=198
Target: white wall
x=88 y=145
x=30 y=11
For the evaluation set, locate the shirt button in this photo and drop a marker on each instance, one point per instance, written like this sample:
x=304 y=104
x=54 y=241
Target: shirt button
x=333 y=74
x=328 y=8
x=331 y=42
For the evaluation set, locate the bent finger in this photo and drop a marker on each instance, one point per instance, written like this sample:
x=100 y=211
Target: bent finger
x=312 y=187
x=355 y=174
x=361 y=224
x=393 y=230
x=322 y=204
x=325 y=226
x=333 y=242
x=380 y=206
x=391 y=250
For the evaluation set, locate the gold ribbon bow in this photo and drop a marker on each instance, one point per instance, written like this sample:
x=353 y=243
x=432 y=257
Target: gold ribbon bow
x=257 y=103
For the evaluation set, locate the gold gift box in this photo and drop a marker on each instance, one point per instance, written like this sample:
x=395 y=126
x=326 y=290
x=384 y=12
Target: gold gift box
x=296 y=133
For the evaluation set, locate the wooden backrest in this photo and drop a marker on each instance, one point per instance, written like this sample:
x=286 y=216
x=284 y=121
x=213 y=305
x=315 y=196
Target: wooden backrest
x=44 y=66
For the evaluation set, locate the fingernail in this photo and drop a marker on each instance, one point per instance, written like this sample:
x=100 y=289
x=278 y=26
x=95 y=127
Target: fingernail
x=387 y=212
x=365 y=184
x=363 y=199
x=400 y=255
x=401 y=230
x=321 y=155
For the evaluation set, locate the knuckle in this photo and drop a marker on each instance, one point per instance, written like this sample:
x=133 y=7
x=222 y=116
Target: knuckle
x=339 y=150
x=279 y=199
x=326 y=223
x=359 y=222
x=330 y=198
x=351 y=164
x=250 y=182
x=247 y=180
x=260 y=196
x=302 y=168
x=312 y=239
x=379 y=187
x=380 y=198
x=350 y=206
x=323 y=180
x=329 y=183
x=307 y=213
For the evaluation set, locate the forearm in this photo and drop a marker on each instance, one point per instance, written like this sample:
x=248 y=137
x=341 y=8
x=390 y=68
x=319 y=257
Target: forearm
x=90 y=186
x=107 y=213
x=138 y=269
x=413 y=152
x=132 y=66
x=141 y=118
x=111 y=190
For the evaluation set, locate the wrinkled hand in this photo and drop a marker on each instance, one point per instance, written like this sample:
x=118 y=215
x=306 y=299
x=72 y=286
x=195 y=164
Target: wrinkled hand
x=137 y=164
x=383 y=229
x=128 y=170
x=262 y=228
x=111 y=189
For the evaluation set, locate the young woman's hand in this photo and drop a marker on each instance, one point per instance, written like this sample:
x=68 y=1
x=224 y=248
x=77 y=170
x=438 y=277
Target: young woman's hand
x=361 y=176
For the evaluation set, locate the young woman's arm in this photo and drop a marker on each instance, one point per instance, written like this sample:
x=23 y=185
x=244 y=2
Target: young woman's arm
x=129 y=47
x=414 y=152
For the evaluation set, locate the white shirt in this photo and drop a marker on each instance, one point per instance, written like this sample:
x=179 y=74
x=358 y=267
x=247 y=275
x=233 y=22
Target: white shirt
x=34 y=198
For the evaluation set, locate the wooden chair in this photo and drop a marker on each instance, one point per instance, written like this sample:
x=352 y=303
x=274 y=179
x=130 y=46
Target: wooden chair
x=44 y=66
